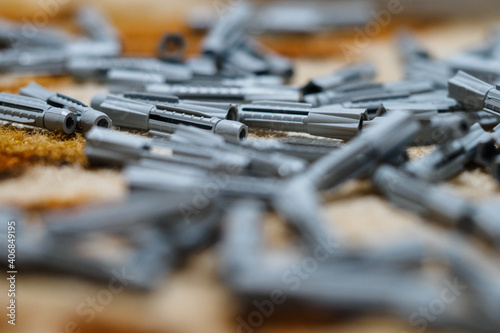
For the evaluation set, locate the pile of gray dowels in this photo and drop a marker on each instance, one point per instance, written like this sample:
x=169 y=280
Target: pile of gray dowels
x=198 y=180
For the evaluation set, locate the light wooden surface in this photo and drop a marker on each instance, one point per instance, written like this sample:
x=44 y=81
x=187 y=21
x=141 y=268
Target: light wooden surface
x=193 y=299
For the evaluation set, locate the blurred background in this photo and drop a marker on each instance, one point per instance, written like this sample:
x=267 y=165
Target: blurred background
x=321 y=36
x=319 y=32
x=142 y=23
